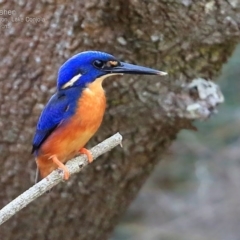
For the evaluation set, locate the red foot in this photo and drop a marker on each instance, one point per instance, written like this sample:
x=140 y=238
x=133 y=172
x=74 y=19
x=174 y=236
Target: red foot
x=88 y=153
x=61 y=166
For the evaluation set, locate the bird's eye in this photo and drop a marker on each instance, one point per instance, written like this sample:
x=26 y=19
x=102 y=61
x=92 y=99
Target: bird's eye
x=98 y=63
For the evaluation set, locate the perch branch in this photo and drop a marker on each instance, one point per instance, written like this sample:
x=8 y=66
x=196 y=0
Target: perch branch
x=75 y=165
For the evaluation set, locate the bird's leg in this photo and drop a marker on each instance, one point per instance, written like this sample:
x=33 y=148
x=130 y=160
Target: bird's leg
x=61 y=166
x=88 y=153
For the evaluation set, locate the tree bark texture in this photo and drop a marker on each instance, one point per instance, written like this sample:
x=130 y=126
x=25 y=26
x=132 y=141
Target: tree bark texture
x=186 y=38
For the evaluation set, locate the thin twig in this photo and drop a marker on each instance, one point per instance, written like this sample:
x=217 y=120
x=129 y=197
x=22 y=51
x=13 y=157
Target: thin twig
x=74 y=166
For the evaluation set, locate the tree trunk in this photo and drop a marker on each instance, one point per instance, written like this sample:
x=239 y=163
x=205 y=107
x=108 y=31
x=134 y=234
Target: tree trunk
x=184 y=38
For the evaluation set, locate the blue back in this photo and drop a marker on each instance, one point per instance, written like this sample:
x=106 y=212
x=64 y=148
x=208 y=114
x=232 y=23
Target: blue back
x=61 y=106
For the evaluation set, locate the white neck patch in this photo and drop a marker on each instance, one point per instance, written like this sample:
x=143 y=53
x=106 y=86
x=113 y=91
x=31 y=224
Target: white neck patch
x=72 y=81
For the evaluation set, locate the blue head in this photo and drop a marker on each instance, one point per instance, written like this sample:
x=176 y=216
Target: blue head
x=86 y=67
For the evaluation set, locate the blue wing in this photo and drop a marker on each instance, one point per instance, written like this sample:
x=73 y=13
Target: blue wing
x=60 y=107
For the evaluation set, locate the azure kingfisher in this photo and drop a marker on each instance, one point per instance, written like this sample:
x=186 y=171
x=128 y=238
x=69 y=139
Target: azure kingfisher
x=74 y=113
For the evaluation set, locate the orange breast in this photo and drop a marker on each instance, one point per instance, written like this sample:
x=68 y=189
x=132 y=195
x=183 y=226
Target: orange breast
x=70 y=137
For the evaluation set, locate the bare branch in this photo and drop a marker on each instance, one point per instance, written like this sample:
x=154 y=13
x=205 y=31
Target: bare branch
x=75 y=165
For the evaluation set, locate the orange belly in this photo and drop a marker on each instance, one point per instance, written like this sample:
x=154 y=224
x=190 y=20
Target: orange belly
x=66 y=141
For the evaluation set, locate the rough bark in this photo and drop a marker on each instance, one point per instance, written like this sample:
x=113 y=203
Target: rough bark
x=186 y=38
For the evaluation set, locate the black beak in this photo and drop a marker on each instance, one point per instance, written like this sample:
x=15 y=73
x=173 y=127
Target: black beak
x=126 y=68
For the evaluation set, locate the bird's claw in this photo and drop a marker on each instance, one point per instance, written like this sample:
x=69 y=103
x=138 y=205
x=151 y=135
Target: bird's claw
x=61 y=166
x=87 y=153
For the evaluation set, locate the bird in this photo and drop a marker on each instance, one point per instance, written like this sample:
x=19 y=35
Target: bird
x=75 y=112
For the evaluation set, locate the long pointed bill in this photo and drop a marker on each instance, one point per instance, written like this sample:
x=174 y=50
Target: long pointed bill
x=127 y=68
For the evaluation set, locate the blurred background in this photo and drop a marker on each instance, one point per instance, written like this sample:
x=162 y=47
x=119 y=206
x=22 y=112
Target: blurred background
x=194 y=192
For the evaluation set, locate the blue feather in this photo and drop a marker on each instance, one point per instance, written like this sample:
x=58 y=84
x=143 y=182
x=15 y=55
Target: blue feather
x=61 y=106
x=82 y=63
